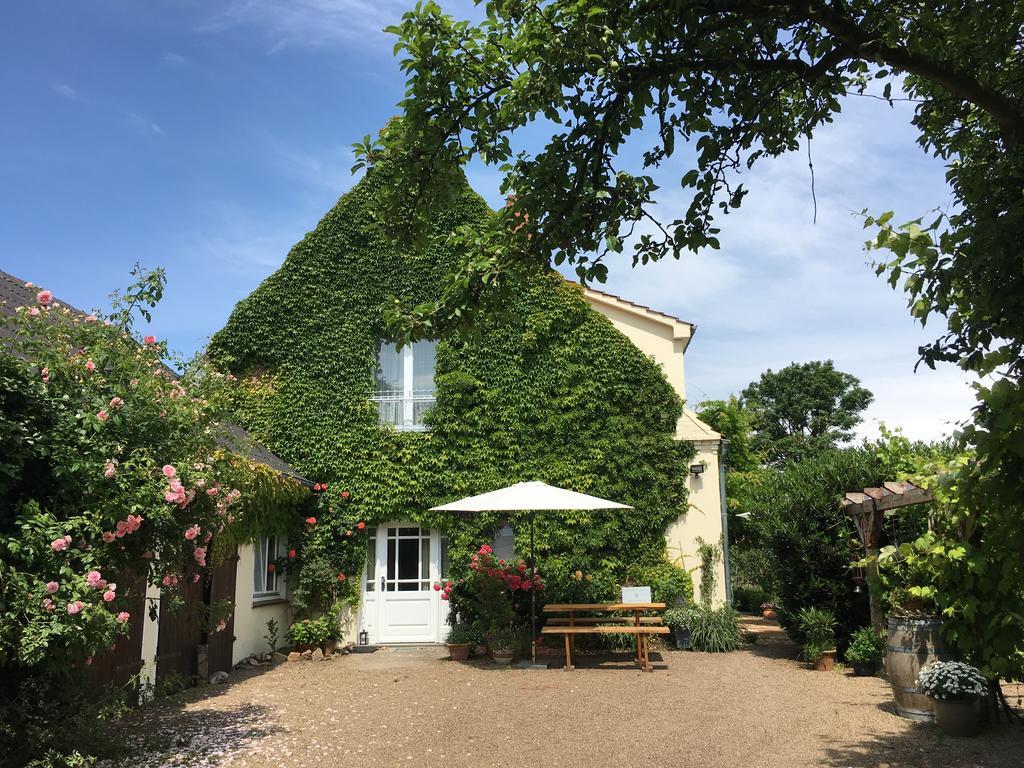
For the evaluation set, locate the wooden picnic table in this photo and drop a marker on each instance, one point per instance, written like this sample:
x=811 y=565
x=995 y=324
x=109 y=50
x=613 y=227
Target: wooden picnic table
x=641 y=626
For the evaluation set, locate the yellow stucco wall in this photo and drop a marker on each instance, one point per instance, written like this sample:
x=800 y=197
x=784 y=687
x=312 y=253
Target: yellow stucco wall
x=251 y=619
x=665 y=340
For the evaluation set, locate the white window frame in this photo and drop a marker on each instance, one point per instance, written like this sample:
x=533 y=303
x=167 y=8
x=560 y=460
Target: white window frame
x=408 y=398
x=262 y=555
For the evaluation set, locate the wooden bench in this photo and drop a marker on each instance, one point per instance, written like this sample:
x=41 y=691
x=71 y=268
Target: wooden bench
x=642 y=631
x=588 y=620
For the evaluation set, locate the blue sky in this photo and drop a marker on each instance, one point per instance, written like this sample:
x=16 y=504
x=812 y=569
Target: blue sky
x=208 y=137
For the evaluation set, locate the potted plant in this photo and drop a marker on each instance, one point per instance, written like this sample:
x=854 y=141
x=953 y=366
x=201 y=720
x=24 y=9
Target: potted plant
x=955 y=689
x=503 y=646
x=459 y=639
x=768 y=610
x=817 y=626
x=866 y=651
x=677 y=619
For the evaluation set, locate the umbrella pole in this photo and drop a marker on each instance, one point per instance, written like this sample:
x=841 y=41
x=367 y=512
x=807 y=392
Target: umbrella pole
x=533 y=592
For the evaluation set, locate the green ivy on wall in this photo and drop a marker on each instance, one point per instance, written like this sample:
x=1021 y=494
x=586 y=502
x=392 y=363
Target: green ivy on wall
x=555 y=393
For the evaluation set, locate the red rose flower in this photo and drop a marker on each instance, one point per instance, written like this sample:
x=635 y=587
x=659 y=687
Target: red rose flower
x=291 y=553
x=310 y=521
x=360 y=525
x=437 y=587
x=344 y=495
x=271 y=567
x=342 y=577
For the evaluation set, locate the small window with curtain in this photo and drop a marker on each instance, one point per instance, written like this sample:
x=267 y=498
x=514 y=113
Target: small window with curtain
x=404 y=384
x=267 y=584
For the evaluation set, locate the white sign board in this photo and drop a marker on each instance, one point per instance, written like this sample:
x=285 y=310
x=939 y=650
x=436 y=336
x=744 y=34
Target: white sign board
x=636 y=594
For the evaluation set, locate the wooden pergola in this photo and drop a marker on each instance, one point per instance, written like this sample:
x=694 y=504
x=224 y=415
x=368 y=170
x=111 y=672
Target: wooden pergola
x=868 y=508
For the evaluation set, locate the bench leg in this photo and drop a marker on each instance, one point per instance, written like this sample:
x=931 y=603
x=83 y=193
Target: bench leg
x=568 y=652
x=647 y=656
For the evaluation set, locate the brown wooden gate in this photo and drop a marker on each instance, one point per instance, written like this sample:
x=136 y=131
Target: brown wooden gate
x=123 y=661
x=221 y=644
x=183 y=631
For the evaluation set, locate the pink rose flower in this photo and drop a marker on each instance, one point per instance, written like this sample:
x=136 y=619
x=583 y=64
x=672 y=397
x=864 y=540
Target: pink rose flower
x=34 y=312
x=93 y=578
x=121 y=529
x=90 y=318
x=109 y=470
x=75 y=607
x=149 y=340
x=123 y=616
x=170 y=580
x=200 y=556
x=45 y=373
x=169 y=471
x=102 y=415
x=48 y=605
x=59 y=545
x=90 y=366
x=212 y=491
x=192 y=532
x=108 y=537
x=134 y=522
x=45 y=298
x=195 y=577
x=108 y=596
x=52 y=586
x=116 y=402
x=30 y=284
x=170 y=497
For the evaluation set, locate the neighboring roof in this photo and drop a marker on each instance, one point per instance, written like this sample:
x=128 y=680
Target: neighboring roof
x=14 y=294
x=632 y=306
x=689 y=427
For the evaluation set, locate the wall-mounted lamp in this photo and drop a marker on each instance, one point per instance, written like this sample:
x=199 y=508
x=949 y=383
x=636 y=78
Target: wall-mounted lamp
x=696 y=469
x=364 y=637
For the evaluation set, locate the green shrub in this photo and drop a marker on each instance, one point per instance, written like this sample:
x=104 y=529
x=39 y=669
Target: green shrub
x=713 y=630
x=669 y=583
x=462 y=633
x=866 y=647
x=817 y=628
x=750 y=599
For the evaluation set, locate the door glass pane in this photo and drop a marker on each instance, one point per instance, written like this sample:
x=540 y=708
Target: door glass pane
x=408 y=559
x=371 y=564
x=408 y=531
x=444 y=557
x=425 y=557
x=392 y=573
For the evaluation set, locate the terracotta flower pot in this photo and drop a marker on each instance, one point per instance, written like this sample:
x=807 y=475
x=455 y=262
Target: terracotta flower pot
x=458 y=651
x=826 y=662
x=768 y=613
x=958 y=717
x=327 y=648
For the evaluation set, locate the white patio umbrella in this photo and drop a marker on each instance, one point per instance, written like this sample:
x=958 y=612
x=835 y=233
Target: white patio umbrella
x=533 y=496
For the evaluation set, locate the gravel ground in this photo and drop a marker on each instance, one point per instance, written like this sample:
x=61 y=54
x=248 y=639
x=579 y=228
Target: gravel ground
x=412 y=707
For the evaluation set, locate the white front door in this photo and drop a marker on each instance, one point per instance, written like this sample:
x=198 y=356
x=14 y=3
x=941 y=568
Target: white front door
x=400 y=604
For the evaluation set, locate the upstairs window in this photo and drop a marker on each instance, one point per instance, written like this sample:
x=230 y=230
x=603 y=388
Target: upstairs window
x=404 y=384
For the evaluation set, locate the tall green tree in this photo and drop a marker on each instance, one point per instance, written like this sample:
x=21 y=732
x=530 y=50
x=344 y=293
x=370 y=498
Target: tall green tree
x=737 y=81
x=803 y=409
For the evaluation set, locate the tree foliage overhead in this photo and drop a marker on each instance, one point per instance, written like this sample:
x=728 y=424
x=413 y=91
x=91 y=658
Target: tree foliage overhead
x=803 y=409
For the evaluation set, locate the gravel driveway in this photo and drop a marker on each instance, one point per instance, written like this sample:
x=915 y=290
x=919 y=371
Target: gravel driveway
x=412 y=707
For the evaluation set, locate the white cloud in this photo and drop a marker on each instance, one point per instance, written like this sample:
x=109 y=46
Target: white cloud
x=143 y=124
x=66 y=91
x=784 y=289
x=173 y=59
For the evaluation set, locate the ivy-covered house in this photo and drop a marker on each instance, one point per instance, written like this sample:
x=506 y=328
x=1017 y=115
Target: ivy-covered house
x=575 y=387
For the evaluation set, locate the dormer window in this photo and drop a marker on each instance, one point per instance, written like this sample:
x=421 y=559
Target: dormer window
x=404 y=384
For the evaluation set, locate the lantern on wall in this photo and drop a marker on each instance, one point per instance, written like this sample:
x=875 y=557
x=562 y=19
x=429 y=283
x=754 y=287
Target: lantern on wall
x=364 y=637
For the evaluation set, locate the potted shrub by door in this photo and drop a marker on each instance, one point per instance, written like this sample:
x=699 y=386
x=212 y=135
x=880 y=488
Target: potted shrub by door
x=955 y=689
x=676 y=618
x=818 y=628
x=768 y=610
x=459 y=639
x=865 y=652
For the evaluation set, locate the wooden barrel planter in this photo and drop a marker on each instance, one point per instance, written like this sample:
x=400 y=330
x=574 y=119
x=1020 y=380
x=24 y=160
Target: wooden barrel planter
x=913 y=643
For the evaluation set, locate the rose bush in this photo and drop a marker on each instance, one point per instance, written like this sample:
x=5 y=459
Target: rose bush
x=109 y=471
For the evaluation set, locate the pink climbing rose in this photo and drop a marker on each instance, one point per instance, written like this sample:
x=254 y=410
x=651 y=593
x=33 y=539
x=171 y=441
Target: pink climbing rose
x=123 y=616
x=109 y=470
x=93 y=578
x=192 y=532
x=116 y=402
x=48 y=605
x=102 y=415
x=108 y=537
x=169 y=471
x=45 y=298
x=45 y=374
x=90 y=366
x=52 y=586
x=200 y=556
x=75 y=607
x=108 y=596
x=149 y=340
x=170 y=580
x=60 y=545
